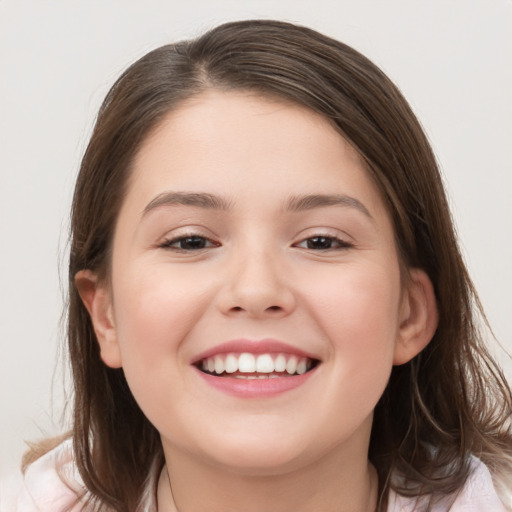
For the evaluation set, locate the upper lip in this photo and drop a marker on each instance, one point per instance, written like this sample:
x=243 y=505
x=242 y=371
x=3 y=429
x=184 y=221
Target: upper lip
x=263 y=346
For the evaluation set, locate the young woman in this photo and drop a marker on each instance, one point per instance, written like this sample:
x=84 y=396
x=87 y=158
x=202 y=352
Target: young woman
x=268 y=310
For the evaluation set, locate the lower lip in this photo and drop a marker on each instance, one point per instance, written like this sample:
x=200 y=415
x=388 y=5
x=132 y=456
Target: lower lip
x=255 y=388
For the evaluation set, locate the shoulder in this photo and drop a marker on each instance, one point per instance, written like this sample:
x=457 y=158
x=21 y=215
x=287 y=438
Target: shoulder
x=50 y=484
x=477 y=495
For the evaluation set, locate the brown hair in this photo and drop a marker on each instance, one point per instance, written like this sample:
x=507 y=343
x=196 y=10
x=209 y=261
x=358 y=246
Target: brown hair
x=448 y=402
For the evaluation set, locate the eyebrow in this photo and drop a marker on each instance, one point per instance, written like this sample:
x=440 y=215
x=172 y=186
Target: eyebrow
x=309 y=202
x=199 y=200
x=294 y=203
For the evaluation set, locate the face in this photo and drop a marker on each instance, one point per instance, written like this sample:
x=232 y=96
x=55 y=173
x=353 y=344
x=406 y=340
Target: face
x=255 y=302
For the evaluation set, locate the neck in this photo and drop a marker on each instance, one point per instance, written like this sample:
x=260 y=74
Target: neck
x=339 y=482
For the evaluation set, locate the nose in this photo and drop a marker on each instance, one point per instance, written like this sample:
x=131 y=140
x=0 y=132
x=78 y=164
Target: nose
x=256 y=285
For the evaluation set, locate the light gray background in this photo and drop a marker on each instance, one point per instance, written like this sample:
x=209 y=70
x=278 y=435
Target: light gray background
x=451 y=59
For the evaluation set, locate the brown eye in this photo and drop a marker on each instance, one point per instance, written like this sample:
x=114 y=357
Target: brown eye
x=188 y=243
x=192 y=243
x=323 y=243
x=319 y=242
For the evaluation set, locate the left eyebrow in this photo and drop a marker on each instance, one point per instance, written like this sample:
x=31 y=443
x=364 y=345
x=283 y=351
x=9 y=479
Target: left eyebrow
x=309 y=202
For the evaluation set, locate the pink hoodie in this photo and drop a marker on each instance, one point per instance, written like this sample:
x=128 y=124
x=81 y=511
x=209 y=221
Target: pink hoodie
x=42 y=490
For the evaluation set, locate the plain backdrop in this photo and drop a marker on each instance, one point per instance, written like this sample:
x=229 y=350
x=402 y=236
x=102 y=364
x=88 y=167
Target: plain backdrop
x=452 y=60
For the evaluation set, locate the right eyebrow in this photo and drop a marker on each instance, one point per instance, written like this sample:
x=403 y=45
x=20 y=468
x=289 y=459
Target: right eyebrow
x=197 y=199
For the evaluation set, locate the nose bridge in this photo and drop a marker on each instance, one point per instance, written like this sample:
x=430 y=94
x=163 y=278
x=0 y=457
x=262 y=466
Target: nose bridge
x=257 y=282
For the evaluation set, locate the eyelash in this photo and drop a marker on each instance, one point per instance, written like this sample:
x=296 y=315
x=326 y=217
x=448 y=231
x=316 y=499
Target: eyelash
x=338 y=242
x=173 y=243
x=177 y=243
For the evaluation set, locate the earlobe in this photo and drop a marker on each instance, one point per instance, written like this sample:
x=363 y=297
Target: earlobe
x=97 y=299
x=418 y=317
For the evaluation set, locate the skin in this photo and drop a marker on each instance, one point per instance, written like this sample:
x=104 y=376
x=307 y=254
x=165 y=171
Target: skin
x=261 y=274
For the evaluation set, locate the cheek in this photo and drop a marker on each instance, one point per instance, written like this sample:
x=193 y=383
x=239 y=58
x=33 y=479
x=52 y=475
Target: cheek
x=154 y=312
x=359 y=315
x=359 y=306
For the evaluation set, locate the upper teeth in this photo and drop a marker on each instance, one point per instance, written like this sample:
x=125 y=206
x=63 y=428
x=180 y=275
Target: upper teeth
x=251 y=363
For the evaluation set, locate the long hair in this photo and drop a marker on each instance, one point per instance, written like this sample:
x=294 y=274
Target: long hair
x=450 y=401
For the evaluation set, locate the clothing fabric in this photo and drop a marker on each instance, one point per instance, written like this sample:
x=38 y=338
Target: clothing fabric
x=52 y=484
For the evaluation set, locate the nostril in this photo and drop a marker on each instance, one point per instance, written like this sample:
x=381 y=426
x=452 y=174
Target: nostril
x=269 y=309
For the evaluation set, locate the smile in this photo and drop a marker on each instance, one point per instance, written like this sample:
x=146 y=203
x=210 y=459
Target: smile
x=256 y=366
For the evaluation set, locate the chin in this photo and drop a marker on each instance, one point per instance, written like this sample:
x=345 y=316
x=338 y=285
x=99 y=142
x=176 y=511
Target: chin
x=258 y=455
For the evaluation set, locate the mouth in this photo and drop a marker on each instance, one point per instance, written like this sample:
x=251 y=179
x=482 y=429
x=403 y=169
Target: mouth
x=249 y=369
x=251 y=366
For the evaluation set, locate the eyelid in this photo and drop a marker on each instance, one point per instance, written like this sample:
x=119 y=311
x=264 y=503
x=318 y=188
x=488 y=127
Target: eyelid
x=168 y=241
x=341 y=241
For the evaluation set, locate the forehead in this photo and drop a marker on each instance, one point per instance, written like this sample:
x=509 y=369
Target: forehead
x=214 y=114
x=242 y=122
x=244 y=143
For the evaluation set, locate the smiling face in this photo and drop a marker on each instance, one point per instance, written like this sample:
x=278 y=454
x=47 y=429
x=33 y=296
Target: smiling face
x=252 y=243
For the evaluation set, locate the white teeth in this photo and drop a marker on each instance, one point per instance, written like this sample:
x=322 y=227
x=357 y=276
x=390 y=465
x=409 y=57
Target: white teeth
x=219 y=365
x=264 y=363
x=280 y=363
x=231 y=364
x=246 y=363
x=302 y=366
x=291 y=365
x=271 y=366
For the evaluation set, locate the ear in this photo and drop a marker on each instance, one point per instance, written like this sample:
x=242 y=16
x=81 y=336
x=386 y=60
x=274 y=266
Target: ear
x=418 y=317
x=97 y=299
